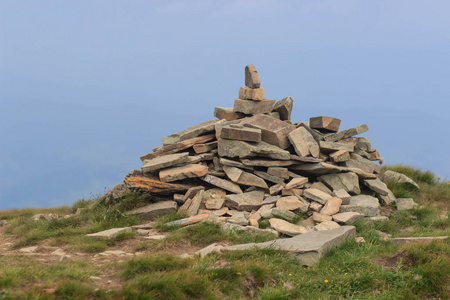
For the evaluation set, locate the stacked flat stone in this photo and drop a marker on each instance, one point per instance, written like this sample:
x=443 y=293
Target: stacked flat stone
x=253 y=163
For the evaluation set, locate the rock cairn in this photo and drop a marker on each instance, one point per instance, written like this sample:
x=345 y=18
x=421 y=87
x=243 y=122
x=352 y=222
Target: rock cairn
x=254 y=163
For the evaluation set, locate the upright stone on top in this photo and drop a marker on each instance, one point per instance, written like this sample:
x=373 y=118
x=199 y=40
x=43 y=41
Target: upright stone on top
x=325 y=124
x=251 y=77
x=284 y=108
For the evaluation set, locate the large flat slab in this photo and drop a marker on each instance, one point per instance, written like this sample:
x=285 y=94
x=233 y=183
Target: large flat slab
x=241 y=149
x=309 y=247
x=109 y=234
x=154 y=209
x=191 y=132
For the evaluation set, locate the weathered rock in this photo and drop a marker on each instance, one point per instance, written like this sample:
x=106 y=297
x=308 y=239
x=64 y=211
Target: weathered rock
x=155 y=164
x=388 y=199
x=154 y=209
x=227 y=113
x=267 y=163
x=319 y=218
x=222 y=183
x=342 y=181
x=195 y=204
x=319 y=168
x=278 y=213
x=418 y=240
x=342 y=194
x=284 y=108
x=318 y=136
x=309 y=160
x=245 y=201
x=213 y=248
x=340 y=156
x=153 y=186
x=247 y=93
x=303 y=142
x=322 y=187
x=400 y=178
x=377 y=186
x=326 y=225
x=241 y=149
x=347 y=133
x=325 y=124
x=215 y=203
x=271 y=200
x=189 y=221
x=279 y=172
x=291 y=203
x=315 y=206
x=375 y=155
x=317 y=195
x=291 y=192
x=362 y=144
x=309 y=247
x=334 y=146
x=362 y=163
x=275 y=189
x=191 y=132
x=238 y=219
x=190 y=193
x=252 y=77
x=241 y=133
x=110 y=233
x=297 y=182
x=183 y=172
x=232 y=163
x=307 y=223
x=177 y=147
x=253 y=106
x=114 y=194
x=405 y=203
x=269 y=177
x=202 y=148
x=274 y=131
x=347 y=217
x=377 y=219
x=287 y=228
x=364 y=204
x=332 y=206
x=244 y=178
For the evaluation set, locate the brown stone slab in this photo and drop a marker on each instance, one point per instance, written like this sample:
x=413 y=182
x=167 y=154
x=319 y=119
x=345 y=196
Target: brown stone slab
x=252 y=77
x=202 y=148
x=325 y=124
x=268 y=177
x=191 y=132
x=251 y=94
x=222 y=183
x=266 y=163
x=253 y=106
x=154 y=186
x=327 y=147
x=244 y=178
x=227 y=113
x=242 y=149
x=241 y=133
x=274 y=131
x=195 y=205
x=347 y=133
x=284 y=108
x=183 y=172
x=177 y=147
x=170 y=160
x=306 y=159
x=279 y=172
x=233 y=163
x=303 y=142
x=340 y=156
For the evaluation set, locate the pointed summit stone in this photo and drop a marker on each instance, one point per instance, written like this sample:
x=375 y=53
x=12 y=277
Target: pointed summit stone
x=252 y=77
x=284 y=108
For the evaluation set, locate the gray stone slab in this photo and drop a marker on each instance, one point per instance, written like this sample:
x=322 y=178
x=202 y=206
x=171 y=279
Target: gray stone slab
x=155 y=164
x=377 y=186
x=110 y=233
x=309 y=247
x=405 y=203
x=241 y=149
x=191 y=132
x=241 y=134
x=154 y=209
x=400 y=178
x=342 y=181
x=222 y=183
x=253 y=107
x=334 y=146
x=245 y=201
x=418 y=240
x=347 y=133
x=304 y=143
x=284 y=108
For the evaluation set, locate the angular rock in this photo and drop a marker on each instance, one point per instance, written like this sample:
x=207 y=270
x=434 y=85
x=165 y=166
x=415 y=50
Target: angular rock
x=233 y=163
x=325 y=124
x=308 y=159
x=297 y=182
x=238 y=219
x=334 y=146
x=275 y=189
x=332 y=206
x=362 y=163
x=195 y=204
x=309 y=247
x=244 y=178
x=278 y=213
x=110 y=233
x=368 y=211
x=347 y=133
x=222 y=183
x=183 y=172
x=315 y=206
x=340 y=156
x=388 y=199
x=418 y=240
x=227 y=113
x=155 y=164
x=154 y=209
x=189 y=221
x=279 y=172
x=319 y=218
x=274 y=131
x=177 y=147
x=191 y=132
x=287 y=228
x=290 y=203
x=251 y=77
x=342 y=194
x=214 y=203
x=375 y=155
x=326 y=225
x=247 y=93
x=405 y=203
x=245 y=201
x=316 y=195
x=154 y=186
x=267 y=163
x=284 y=108
x=117 y=192
x=377 y=186
x=269 y=177
x=303 y=142
x=291 y=192
x=322 y=187
x=253 y=106
x=202 y=148
x=241 y=133
x=342 y=181
x=319 y=168
x=241 y=149
x=400 y=178
x=347 y=217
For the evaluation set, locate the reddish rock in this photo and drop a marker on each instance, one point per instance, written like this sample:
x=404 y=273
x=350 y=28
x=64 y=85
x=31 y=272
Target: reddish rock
x=227 y=113
x=252 y=77
x=325 y=124
x=183 y=172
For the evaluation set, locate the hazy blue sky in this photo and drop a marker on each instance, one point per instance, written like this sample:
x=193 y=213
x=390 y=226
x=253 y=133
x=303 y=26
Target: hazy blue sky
x=86 y=87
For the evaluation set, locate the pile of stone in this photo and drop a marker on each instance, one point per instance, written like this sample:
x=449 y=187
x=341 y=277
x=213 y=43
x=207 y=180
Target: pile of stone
x=254 y=163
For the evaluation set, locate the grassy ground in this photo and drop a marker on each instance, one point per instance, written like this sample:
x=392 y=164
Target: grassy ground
x=377 y=269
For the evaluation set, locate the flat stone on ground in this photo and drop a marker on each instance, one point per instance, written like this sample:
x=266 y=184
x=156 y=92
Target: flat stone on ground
x=287 y=228
x=326 y=225
x=418 y=240
x=347 y=217
x=110 y=233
